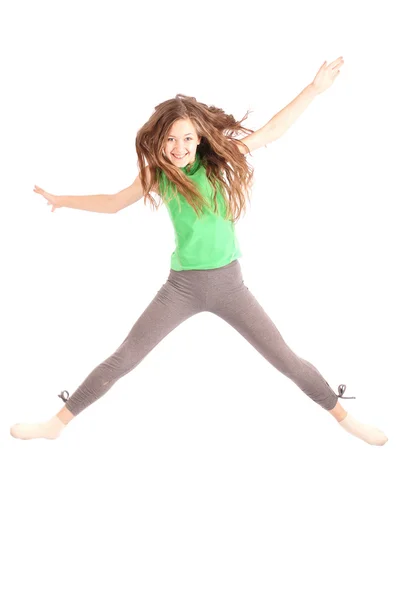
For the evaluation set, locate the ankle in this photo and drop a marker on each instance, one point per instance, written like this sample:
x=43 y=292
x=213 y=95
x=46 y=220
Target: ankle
x=338 y=412
x=65 y=416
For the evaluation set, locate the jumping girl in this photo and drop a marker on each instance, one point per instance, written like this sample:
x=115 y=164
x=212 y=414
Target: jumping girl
x=199 y=170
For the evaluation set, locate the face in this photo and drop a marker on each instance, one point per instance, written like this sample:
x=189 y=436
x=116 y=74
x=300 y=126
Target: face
x=182 y=143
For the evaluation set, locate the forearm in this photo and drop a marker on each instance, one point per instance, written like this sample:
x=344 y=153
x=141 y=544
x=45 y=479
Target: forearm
x=101 y=203
x=290 y=113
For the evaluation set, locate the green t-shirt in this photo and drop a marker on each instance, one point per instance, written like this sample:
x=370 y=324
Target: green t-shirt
x=205 y=242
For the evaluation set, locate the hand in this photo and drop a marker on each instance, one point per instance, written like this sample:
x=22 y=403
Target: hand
x=327 y=74
x=51 y=199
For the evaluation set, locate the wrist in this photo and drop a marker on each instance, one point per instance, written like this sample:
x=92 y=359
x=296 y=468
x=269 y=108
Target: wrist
x=59 y=201
x=312 y=90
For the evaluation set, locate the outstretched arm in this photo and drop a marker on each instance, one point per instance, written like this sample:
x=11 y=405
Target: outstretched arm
x=290 y=113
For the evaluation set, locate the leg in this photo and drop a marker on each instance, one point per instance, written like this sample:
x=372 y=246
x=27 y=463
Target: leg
x=166 y=311
x=172 y=305
x=232 y=301
x=338 y=412
x=242 y=311
x=65 y=415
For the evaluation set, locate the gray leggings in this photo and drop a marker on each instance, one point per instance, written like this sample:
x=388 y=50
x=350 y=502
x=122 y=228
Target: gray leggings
x=222 y=292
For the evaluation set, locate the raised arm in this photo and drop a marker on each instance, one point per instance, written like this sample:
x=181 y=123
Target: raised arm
x=281 y=121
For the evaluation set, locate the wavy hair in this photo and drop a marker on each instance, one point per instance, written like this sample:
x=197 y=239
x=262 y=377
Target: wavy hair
x=226 y=167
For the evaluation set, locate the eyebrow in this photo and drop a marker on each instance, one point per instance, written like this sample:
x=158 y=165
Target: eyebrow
x=190 y=133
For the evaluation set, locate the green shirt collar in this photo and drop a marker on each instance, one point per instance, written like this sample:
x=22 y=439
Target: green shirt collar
x=190 y=169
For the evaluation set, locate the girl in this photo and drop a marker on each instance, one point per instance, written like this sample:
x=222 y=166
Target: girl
x=200 y=171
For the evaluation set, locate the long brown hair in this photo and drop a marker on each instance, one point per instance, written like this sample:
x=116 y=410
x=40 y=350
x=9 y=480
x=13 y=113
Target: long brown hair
x=226 y=167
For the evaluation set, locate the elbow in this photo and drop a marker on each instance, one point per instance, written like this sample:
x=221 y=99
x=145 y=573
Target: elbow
x=113 y=204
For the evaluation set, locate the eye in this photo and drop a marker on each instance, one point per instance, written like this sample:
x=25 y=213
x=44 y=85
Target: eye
x=187 y=138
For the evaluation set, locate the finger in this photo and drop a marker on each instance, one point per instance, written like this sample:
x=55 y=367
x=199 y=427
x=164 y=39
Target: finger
x=338 y=61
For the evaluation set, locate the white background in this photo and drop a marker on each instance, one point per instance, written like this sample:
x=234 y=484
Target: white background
x=204 y=473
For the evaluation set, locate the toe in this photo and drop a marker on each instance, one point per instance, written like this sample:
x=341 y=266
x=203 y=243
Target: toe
x=15 y=430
